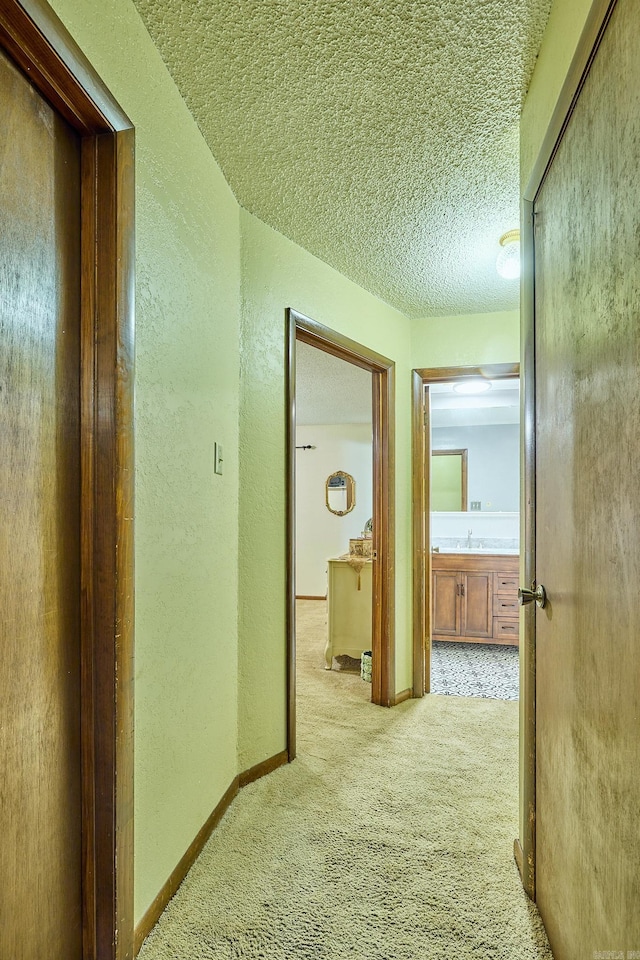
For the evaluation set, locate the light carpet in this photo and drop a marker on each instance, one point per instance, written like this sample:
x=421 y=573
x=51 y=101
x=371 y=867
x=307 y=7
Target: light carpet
x=389 y=838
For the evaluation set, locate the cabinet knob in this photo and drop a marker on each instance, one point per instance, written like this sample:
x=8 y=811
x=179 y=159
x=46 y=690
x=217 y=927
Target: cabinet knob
x=528 y=596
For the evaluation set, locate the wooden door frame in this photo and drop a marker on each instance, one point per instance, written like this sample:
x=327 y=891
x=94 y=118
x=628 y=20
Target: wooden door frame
x=37 y=42
x=299 y=327
x=421 y=516
x=593 y=31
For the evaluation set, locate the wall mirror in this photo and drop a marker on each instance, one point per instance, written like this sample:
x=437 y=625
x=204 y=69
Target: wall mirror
x=341 y=493
x=487 y=426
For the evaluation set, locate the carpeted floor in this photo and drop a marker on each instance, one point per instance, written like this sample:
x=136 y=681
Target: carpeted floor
x=389 y=838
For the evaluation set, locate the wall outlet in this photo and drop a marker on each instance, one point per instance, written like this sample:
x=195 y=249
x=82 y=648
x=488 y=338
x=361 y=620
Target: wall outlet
x=217 y=458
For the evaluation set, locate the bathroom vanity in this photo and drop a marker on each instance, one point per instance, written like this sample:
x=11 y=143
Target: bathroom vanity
x=475 y=598
x=349 y=601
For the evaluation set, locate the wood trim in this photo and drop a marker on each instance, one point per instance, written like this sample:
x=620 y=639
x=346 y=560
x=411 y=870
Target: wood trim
x=305 y=597
x=421 y=535
x=383 y=574
x=290 y=537
x=36 y=40
x=490 y=371
x=324 y=338
x=263 y=768
x=527 y=840
x=170 y=887
x=464 y=461
x=402 y=696
x=421 y=462
x=316 y=334
x=595 y=25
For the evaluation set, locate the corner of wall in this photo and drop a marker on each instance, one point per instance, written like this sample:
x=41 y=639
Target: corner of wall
x=466 y=339
x=566 y=22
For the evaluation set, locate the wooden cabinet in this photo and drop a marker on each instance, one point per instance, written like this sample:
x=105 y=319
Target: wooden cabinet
x=446 y=603
x=475 y=598
x=462 y=603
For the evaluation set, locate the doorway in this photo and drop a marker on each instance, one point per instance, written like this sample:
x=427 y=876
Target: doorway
x=334 y=509
x=304 y=330
x=463 y=577
x=66 y=323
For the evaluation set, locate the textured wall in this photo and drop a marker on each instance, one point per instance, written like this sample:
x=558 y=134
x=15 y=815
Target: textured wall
x=187 y=259
x=466 y=340
x=276 y=274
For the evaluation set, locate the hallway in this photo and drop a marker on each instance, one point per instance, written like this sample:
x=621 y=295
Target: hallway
x=390 y=836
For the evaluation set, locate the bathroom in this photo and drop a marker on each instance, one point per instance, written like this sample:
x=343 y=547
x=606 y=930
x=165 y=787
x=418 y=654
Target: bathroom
x=474 y=521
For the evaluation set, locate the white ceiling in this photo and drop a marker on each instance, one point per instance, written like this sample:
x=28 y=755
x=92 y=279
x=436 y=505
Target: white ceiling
x=501 y=404
x=329 y=390
x=382 y=137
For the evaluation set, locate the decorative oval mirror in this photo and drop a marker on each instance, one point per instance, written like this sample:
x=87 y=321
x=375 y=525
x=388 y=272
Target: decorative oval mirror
x=341 y=493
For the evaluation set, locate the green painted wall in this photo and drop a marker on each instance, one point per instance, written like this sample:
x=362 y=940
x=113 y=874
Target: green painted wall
x=276 y=274
x=566 y=21
x=188 y=282
x=466 y=340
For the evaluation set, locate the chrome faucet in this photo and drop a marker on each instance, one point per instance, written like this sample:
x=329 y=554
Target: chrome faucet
x=469 y=539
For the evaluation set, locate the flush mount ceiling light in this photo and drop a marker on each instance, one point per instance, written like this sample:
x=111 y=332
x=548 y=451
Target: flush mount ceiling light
x=472 y=386
x=508 y=262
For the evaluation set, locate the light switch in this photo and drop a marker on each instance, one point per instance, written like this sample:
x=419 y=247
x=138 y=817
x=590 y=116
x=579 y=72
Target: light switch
x=217 y=457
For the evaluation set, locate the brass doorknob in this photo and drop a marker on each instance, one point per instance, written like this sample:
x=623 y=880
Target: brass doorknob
x=528 y=596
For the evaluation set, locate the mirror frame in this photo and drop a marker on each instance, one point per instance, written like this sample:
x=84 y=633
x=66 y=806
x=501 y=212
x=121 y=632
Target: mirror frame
x=351 y=493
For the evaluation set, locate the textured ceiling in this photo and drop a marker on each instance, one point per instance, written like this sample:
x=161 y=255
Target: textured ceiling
x=329 y=390
x=381 y=136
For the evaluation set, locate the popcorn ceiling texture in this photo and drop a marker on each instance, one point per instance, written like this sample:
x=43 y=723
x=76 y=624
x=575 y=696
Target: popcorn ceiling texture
x=381 y=137
x=330 y=390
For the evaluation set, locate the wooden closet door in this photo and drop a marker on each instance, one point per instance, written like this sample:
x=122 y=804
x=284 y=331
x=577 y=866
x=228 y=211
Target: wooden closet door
x=587 y=350
x=40 y=775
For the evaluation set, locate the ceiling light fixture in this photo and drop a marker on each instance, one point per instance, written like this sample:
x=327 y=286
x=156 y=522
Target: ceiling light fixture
x=508 y=262
x=472 y=386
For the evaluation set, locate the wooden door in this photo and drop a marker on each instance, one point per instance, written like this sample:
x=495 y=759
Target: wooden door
x=40 y=796
x=587 y=352
x=446 y=603
x=477 y=599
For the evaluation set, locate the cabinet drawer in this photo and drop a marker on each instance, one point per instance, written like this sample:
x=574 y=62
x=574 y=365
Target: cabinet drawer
x=505 y=630
x=506 y=584
x=504 y=606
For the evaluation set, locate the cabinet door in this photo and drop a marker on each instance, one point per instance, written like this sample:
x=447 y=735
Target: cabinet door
x=477 y=604
x=446 y=607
